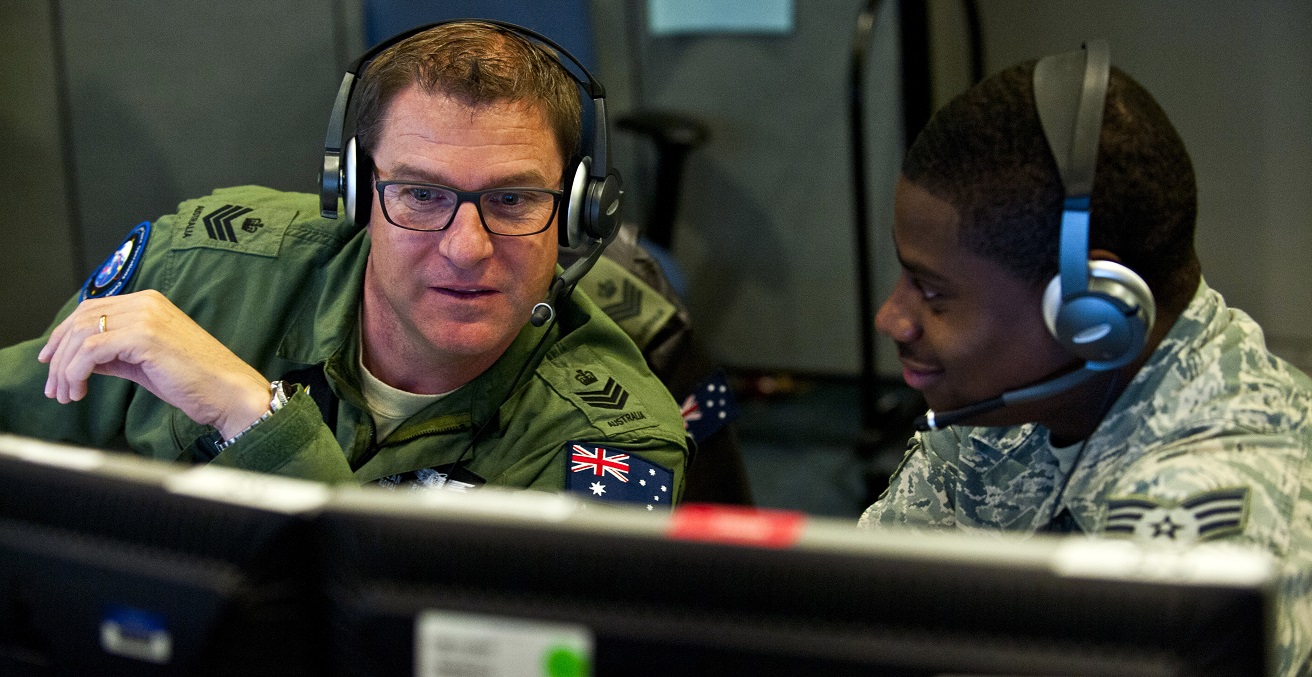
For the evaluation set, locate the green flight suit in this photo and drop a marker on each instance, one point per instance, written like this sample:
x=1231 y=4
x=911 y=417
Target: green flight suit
x=280 y=286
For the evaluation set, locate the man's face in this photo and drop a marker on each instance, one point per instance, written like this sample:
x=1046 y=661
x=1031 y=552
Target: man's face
x=461 y=294
x=966 y=328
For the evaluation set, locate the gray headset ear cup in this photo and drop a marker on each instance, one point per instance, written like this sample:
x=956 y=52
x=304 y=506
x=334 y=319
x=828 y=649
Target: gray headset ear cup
x=1108 y=325
x=602 y=212
x=358 y=200
x=572 y=233
x=349 y=180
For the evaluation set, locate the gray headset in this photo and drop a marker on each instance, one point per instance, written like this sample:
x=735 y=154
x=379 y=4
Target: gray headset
x=1101 y=311
x=592 y=200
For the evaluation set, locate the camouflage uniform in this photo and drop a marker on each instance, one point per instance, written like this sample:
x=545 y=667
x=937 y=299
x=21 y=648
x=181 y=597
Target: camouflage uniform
x=1209 y=441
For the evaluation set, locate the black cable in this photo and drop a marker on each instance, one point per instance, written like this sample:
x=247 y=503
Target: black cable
x=532 y=359
x=975 y=38
x=865 y=24
x=917 y=80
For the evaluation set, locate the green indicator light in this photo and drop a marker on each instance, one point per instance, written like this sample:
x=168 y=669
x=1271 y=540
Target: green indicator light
x=564 y=661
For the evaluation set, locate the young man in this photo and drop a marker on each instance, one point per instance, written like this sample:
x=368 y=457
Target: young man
x=399 y=352
x=1195 y=433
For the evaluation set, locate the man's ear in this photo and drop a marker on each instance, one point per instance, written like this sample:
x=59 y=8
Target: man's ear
x=1103 y=255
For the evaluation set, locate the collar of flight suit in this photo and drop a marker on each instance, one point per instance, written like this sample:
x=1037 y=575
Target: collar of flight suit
x=324 y=332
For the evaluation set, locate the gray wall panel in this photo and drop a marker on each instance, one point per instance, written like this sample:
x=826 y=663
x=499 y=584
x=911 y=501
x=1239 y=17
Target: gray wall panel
x=38 y=253
x=766 y=235
x=170 y=100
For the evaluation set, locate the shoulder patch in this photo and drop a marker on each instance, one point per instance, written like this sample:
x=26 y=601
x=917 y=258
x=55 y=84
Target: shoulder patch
x=112 y=275
x=1201 y=517
x=610 y=395
x=637 y=308
x=609 y=402
x=215 y=224
x=709 y=407
x=616 y=476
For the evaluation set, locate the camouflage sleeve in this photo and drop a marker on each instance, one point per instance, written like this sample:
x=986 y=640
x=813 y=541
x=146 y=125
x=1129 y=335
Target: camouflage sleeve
x=919 y=495
x=1253 y=489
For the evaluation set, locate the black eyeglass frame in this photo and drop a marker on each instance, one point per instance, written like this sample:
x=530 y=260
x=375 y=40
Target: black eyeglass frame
x=474 y=196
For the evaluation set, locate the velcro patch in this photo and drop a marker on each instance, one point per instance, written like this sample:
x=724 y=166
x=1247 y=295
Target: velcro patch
x=1202 y=517
x=617 y=476
x=214 y=224
x=461 y=479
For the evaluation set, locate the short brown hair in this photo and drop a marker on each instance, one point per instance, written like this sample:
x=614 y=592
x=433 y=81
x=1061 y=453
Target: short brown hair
x=478 y=63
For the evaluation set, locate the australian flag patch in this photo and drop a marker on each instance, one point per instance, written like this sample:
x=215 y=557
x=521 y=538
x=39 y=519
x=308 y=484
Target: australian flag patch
x=1201 y=517
x=617 y=476
x=112 y=275
x=709 y=407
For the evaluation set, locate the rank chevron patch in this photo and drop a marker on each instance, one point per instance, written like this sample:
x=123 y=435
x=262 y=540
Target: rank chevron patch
x=218 y=223
x=629 y=305
x=1202 y=517
x=611 y=396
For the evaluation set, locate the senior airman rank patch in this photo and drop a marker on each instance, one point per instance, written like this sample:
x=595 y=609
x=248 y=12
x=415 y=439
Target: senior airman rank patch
x=112 y=275
x=616 y=476
x=1201 y=517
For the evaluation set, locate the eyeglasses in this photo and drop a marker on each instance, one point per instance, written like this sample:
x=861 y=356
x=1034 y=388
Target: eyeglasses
x=503 y=211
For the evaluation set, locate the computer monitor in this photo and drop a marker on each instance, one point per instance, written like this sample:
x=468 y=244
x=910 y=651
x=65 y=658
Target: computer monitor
x=487 y=583
x=112 y=564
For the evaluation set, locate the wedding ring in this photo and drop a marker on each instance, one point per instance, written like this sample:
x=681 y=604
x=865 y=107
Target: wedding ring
x=103 y=322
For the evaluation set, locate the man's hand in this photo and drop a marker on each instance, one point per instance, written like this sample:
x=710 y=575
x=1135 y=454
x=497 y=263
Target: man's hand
x=146 y=339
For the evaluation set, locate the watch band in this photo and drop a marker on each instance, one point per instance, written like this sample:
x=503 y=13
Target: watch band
x=278 y=398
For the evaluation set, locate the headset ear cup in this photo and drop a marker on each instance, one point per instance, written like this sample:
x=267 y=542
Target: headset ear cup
x=602 y=216
x=571 y=229
x=357 y=168
x=1107 y=325
x=364 y=189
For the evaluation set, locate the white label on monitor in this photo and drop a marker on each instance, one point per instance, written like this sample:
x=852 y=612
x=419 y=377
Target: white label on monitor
x=1208 y=564
x=45 y=453
x=267 y=492
x=458 y=644
x=134 y=633
x=531 y=505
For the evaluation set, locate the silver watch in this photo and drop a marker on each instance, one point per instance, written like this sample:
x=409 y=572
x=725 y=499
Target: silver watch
x=278 y=398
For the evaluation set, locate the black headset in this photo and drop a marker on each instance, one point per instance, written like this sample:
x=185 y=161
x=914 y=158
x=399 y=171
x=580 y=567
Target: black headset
x=592 y=200
x=1099 y=310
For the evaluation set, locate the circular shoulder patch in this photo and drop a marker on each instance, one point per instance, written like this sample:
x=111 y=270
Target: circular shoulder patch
x=115 y=272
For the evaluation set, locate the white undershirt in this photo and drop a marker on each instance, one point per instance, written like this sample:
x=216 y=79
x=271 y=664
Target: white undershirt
x=390 y=407
x=1065 y=455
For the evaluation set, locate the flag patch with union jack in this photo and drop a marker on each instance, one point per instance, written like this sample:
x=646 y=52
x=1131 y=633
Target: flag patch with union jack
x=616 y=475
x=709 y=407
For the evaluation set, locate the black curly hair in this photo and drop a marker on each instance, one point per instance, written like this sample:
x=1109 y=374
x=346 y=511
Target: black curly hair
x=985 y=154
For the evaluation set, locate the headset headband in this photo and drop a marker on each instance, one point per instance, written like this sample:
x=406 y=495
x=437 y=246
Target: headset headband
x=333 y=145
x=1072 y=134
